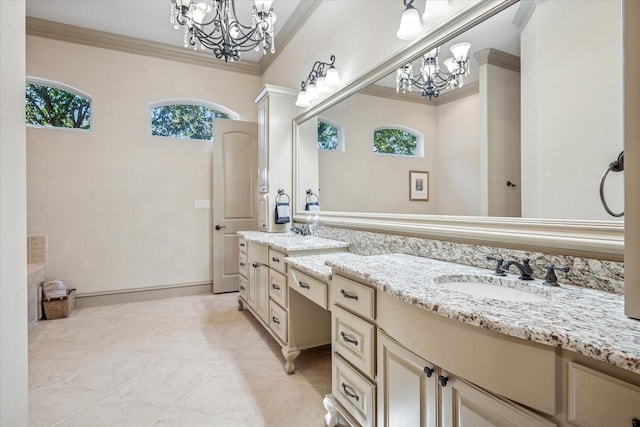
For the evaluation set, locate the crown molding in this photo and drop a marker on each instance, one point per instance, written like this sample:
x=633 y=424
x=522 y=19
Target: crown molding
x=524 y=13
x=498 y=58
x=449 y=96
x=291 y=27
x=72 y=34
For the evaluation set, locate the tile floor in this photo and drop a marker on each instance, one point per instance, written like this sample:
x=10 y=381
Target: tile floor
x=188 y=361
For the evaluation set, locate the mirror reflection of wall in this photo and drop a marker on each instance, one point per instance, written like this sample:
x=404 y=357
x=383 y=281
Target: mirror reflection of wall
x=534 y=112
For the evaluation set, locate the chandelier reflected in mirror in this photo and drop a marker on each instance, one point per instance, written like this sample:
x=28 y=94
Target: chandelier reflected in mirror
x=432 y=79
x=213 y=25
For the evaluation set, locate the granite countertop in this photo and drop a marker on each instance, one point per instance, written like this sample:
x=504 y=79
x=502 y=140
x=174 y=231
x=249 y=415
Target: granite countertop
x=582 y=320
x=290 y=242
x=316 y=265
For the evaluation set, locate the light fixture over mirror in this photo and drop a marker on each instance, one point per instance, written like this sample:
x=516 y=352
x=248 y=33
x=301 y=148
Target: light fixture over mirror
x=213 y=25
x=322 y=81
x=410 y=25
x=432 y=79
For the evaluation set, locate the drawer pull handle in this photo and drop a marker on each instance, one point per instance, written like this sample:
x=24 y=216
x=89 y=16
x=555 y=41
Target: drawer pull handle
x=348 y=295
x=275 y=320
x=242 y=245
x=347 y=339
x=276 y=287
x=242 y=264
x=428 y=371
x=443 y=380
x=303 y=285
x=242 y=288
x=348 y=393
x=274 y=259
x=635 y=422
x=254 y=265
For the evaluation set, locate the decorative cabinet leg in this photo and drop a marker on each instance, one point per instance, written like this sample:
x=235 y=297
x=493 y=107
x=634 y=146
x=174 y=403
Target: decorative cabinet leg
x=240 y=305
x=331 y=418
x=290 y=356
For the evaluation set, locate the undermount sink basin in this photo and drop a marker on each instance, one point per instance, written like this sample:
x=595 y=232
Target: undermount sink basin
x=495 y=289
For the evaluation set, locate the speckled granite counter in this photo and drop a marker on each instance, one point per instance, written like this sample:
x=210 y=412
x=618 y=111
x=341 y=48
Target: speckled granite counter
x=289 y=242
x=582 y=320
x=316 y=265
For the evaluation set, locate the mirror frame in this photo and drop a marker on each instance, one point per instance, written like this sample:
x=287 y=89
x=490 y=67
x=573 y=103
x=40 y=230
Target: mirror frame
x=591 y=238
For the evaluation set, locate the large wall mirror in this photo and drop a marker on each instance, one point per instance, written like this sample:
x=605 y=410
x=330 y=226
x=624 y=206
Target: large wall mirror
x=515 y=156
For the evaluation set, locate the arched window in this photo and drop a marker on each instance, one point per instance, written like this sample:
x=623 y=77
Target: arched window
x=330 y=135
x=53 y=104
x=186 y=119
x=399 y=141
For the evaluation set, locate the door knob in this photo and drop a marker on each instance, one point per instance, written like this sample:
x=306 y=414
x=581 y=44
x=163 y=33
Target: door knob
x=219 y=227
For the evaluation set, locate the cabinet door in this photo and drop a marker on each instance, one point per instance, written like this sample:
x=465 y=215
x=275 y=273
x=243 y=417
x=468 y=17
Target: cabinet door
x=465 y=405
x=263 y=147
x=251 y=285
x=407 y=387
x=262 y=292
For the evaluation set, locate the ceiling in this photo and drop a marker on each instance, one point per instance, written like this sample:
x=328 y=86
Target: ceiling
x=142 y=19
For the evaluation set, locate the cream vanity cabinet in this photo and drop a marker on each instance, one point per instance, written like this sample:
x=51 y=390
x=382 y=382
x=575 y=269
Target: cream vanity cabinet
x=296 y=320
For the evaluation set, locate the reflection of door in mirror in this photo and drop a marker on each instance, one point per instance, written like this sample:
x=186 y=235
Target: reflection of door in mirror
x=528 y=114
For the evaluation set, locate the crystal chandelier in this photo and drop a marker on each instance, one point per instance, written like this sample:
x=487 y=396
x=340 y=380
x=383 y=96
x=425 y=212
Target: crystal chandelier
x=432 y=79
x=213 y=25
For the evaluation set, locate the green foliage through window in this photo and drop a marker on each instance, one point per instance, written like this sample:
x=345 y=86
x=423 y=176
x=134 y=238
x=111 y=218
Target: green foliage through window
x=184 y=121
x=327 y=136
x=395 y=141
x=53 y=107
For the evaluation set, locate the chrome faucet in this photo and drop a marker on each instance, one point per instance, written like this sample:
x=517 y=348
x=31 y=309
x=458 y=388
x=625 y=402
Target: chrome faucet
x=526 y=272
x=302 y=230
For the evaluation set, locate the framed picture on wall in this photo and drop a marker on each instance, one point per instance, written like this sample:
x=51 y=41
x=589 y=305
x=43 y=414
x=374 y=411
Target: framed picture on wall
x=419 y=186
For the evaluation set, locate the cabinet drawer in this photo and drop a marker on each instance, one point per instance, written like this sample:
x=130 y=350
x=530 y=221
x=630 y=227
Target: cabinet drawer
x=353 y=296
x=278 y=288
x=276 y=261
x=243 y=263
x=278 y=320
x=258 y=253
x=355 y=392
x=242 y=244
x=244 y=288
x=354 y=339
x=311 y=288
x=596 y=399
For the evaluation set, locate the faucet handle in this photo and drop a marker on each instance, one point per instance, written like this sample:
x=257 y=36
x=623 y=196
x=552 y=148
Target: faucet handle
x=498 y=259
x=551 y=279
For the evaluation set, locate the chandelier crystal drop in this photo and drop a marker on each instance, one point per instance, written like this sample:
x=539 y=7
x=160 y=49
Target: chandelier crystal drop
x=213 y=25
x=432 y=79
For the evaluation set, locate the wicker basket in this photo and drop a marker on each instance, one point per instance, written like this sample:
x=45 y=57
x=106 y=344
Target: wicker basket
x=59 y=308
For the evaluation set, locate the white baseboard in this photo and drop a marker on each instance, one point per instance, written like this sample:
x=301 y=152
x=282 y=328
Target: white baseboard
x=142 y=294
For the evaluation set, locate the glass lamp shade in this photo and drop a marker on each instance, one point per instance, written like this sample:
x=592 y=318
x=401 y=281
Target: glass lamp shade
x=460 y=51
x=321 y=86
x=312 y=93
x=303 y=100
x=200 y=12
x=451 y=64
x=410 y=25
x=332 y=78
x=435 y=10
x=263 y=5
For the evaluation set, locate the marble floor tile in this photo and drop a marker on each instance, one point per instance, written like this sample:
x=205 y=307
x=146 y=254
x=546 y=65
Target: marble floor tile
x=188 y=361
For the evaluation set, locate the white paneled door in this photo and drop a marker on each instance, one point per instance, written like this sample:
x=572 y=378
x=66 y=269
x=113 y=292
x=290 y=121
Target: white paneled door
x=235 y=196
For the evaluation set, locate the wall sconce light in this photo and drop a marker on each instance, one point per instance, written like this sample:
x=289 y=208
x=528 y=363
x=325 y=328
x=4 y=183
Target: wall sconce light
x=410 y=25
x=322 y=81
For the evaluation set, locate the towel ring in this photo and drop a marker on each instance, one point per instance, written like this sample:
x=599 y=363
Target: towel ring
x=615 y=166
x=282 y=194
x=310 y=195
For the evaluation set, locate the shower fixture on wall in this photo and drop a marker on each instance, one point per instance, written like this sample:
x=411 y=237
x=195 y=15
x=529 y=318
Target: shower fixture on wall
x=213 y=25
x=432 y=79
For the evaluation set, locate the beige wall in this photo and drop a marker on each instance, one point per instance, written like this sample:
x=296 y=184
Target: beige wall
x=568 y=46
x=13 y=227
x=117 y=203
x=358 y=180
